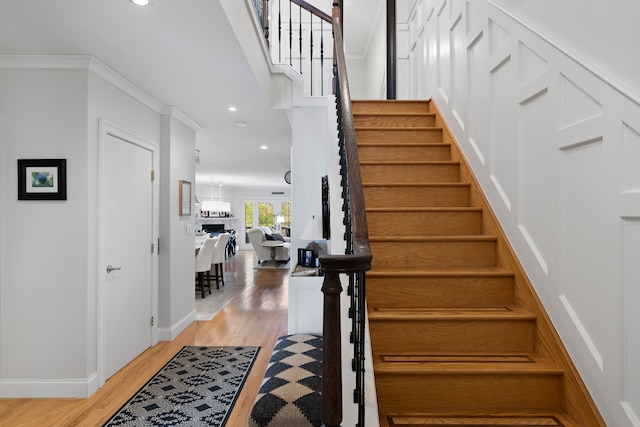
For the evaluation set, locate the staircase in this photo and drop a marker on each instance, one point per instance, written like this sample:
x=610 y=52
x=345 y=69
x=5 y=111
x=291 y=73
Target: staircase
x=459 y=337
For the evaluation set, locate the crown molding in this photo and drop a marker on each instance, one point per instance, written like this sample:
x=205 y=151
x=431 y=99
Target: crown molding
x=46 y=62
x=100 y=69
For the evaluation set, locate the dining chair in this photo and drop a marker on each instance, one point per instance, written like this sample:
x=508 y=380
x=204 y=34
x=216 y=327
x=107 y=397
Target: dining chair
x=218 y=258
x=231 y=244
x=203 y=264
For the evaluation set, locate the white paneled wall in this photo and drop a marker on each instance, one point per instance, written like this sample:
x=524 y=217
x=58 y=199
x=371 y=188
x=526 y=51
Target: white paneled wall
x=556 y=148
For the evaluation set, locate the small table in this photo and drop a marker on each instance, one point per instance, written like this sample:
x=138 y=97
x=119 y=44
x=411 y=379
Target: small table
x=273 y=244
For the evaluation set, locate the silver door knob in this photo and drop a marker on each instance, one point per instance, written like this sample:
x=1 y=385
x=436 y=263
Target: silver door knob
x=110 y=268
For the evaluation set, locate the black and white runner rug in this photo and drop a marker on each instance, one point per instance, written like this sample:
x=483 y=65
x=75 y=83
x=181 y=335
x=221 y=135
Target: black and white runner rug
x=198 y=387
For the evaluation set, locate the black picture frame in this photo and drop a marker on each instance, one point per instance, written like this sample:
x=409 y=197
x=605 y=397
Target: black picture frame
x=306 y=258
x=42 y=179
x=309 y=258
x=326 y=221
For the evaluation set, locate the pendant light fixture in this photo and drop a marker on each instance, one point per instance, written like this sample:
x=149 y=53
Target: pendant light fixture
x=216 y=205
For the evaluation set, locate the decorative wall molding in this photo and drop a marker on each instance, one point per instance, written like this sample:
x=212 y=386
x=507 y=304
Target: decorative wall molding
x=555 y=145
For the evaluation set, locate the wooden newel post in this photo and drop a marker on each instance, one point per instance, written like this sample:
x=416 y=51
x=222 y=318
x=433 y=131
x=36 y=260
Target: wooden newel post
x=331 y=352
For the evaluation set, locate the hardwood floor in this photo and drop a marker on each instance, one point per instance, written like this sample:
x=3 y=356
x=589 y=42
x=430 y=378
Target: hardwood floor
x=257 y=316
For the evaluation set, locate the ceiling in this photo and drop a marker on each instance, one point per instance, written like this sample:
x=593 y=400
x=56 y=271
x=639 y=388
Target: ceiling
x=183 y=53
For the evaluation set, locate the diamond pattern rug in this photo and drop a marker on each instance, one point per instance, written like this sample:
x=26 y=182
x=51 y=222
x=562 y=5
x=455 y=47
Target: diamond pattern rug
x=290 y=392
x=199 y=386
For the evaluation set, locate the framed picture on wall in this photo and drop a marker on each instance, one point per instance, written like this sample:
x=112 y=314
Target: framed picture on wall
x=42 y=179
x=184 y=197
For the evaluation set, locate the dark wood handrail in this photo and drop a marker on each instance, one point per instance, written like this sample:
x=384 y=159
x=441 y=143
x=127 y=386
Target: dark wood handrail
x=311 y=8
x=356 y=262
x=359 y=217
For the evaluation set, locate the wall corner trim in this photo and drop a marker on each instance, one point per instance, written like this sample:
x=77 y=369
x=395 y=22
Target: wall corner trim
x=175 y=112
x=170 y=333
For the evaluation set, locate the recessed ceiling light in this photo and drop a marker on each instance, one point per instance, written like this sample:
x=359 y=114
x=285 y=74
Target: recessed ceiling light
x=232 y=108
x=140 y=2
x=241 y=124
x=263 y=147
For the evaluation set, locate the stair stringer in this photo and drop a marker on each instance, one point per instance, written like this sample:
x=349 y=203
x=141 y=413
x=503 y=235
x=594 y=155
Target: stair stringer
x=578 y=402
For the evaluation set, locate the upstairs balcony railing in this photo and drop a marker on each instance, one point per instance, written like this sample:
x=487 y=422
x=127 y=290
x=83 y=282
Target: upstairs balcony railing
x=292 y=42
x=300 y=35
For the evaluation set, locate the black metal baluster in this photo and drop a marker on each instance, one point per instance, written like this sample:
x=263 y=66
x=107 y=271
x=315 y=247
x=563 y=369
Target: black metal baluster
x=279 y=31
x=290 y=36
x=311 y=49
x=321 y=58
x=360 y=348
x=300 y=26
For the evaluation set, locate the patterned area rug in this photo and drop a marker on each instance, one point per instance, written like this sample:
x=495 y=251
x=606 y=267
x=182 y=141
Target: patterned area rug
x=290 y=393
x=199 y=386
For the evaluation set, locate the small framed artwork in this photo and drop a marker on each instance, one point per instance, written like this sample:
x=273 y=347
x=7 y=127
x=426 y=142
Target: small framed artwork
x=309 y=258
x=42 y=179
x=184 y=197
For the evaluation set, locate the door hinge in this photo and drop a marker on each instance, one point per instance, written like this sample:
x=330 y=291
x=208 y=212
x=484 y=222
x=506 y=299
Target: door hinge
x=152 y=320
x=153 y=247
x=153 y=175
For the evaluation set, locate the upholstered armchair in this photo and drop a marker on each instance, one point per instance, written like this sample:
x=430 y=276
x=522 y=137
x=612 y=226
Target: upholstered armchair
x=259 y=235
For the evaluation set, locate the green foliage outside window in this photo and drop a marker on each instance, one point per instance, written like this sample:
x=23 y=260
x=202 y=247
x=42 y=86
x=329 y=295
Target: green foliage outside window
x=248 y=219
x=265 y=214
x=285 y=211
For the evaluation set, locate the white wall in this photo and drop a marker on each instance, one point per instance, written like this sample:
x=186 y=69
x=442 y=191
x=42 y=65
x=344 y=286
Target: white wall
x=357 y=83
x=177 y=263
x=555 y=147
x=43 y=245
x=376 y=61
x=309 y=163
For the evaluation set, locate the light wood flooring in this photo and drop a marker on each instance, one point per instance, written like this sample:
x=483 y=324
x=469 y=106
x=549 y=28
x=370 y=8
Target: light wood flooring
x=257 y=316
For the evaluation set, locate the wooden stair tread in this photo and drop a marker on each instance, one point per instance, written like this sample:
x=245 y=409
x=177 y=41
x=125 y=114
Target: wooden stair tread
x=393 y=114
x=410 y=162
x=425 y=209
x=523 y=418
x=398 y=128
x=446 y=238
x=449 y=313
x=463 y=363
x=443 y=272
x=403 y=144
x=398 y=106
x=416 y=184
x=394 y=102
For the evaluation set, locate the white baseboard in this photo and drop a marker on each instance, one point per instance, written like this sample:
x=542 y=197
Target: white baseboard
x=48 y=388
x=169 y=334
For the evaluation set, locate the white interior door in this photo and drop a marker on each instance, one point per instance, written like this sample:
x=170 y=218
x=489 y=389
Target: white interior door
x=126 y=253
